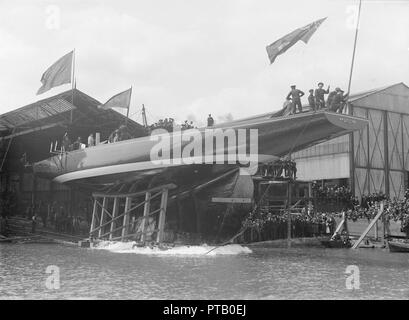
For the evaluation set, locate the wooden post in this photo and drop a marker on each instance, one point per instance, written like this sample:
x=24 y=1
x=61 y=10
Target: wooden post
x=94 y=213
x=114 y=214
x=128 y=202
x=104 y=202
x=289 y=215
x=162 y=215
x=383 y=230
x=363 y=235
x=146 y=211
x=309 y=198
x=376 y=231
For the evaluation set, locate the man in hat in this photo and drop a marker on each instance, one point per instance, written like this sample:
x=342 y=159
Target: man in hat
x=338 y=101
x=331 y=96
x=319 y=96
x=210 y=121
x=311 y=100
x=296 y=95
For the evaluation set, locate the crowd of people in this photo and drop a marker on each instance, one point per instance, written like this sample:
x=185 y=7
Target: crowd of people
x=170 y=124
x=280 y=169
x=265 y=225
x=56 y=217
x=341 y=196
x=118 y=134
x=335 y=101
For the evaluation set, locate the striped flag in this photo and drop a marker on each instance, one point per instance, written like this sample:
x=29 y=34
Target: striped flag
x=120 y=100
x=59 y=73
x=283 y=44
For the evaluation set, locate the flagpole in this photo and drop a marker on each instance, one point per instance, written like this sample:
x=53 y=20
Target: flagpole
x=353 y=53
x=72 y=82
x=129 y=107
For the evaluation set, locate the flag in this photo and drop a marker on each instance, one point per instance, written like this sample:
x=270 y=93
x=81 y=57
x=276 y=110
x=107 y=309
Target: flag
x=120 y=100
x=59 y=73
x=283 y=44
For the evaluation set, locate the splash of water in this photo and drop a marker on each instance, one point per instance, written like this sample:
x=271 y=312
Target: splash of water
x=130 y=247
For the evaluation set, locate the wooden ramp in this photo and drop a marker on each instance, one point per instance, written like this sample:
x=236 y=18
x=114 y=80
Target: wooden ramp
x=363 y=235
x=119 y=215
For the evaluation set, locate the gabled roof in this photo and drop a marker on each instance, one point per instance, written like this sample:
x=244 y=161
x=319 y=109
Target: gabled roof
x=363 y=94
x=57 y=108
x=393 y=98
x=33 y=112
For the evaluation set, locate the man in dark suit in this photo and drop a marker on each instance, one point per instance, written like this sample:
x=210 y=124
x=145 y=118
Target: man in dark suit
x=319 y=96
x=296 y=95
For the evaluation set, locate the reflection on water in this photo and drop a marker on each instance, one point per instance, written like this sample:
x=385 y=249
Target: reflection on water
x=264 y=273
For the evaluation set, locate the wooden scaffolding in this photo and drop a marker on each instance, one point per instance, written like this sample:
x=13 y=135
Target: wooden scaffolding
x=116 y=216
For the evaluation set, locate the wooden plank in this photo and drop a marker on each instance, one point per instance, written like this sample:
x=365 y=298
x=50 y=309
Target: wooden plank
x=125 y=224
x=104 y=209
x=232 y=200
x=114 y=213
x=363 y=235
x=339 y=225
x=169 y=186
x=162 y=215
x=93 y=221
x=39 y=128
x=104 y=202
x=146 y=211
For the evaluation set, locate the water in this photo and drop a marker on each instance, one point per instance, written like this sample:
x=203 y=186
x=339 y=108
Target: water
x=235 y=272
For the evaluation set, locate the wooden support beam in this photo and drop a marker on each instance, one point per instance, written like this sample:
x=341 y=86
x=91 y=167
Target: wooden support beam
x=146 y=211
x=93 y=221
x=162 y=215
x=135 y=194
x=125 y=223
x=104 y=208
x=338 y=229
x=114 y=213
x=104 y=203
x=363 y=235
x=289 y=215
x=40 y=128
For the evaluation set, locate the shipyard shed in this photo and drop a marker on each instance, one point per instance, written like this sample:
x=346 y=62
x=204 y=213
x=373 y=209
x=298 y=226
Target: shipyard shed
x=27 y=135
x=372 y=160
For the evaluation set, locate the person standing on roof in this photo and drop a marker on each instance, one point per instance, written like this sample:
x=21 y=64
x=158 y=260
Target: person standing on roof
x=91 y=141
x=338 y=102
x=330 y=97
x=311 y=100
x=77 y=144
x=319 y=96
x=66 y=142
x=288 y=107
x=296 y=95
x=210 y=121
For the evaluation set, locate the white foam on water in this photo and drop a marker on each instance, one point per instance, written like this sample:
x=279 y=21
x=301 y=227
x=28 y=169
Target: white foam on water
x=129 y=247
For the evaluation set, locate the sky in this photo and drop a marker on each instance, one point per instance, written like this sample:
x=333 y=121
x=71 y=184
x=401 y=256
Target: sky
x=185 y=59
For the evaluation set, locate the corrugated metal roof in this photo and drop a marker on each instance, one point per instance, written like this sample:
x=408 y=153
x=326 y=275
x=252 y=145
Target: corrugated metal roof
x=34 y=112
x=363 y=94
x=54 y=109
